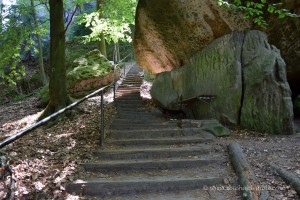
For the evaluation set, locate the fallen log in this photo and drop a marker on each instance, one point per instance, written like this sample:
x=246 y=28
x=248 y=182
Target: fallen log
x=246 y=177
x=289 y=177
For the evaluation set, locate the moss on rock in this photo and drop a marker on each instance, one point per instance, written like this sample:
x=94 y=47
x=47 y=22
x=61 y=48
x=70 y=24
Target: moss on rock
x=91 y=65
x=44 y=96
x=297 y=104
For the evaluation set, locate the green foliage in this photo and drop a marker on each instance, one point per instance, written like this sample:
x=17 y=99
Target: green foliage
x=13 y=36
x=118 y=16
x=17 y=39
x=255 y=10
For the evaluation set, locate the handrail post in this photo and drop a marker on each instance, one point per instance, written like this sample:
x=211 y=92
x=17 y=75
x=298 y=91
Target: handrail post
x=102 y=121
x=115 y=60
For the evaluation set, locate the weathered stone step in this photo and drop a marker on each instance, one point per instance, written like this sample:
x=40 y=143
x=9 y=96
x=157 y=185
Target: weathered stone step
x=139 y=114
x=126 y=92
x=160 y=141
x=127 y=95
x=141 y=126
x=144 y=165
x=128 y=105
x=139 y=121
x=143 y=109
x=129 y=100
x=141 y=117
x=159 y=133
x=129 y=87
x=132 y=81
x=110 y=188
x=154 y=153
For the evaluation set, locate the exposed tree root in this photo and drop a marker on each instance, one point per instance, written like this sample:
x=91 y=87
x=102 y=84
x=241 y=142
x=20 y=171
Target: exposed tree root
x=288 y=177
x=247 y=180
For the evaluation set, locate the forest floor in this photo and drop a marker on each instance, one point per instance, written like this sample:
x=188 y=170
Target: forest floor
x=49 y=157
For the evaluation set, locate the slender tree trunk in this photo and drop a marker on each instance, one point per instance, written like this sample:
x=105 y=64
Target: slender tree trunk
x=101 y=44
x=1 y=9
x=57 y=82
x=118 y=52
x=40 y=47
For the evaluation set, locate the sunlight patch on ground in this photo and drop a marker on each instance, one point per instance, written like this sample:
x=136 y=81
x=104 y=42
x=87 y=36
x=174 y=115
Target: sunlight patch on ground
x=13 y=127
x=145 y=89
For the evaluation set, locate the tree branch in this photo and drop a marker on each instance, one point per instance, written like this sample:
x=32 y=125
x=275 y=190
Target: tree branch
x=77 y=6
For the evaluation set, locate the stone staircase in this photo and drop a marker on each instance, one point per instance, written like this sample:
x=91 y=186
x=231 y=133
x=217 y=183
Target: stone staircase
x=150 y=157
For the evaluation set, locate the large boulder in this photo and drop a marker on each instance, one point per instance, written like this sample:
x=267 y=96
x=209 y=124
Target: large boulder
x=238 y=79
x=91 y=71
x=168 y=33
x=267 y=104
x=285 y=34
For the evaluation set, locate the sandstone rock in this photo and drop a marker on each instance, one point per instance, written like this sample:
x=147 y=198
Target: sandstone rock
x=245 y=75
x=267 y=104
x=285 y=34
x=92 y=71
x=168 y=33
x=214 y=71
x=297 y=105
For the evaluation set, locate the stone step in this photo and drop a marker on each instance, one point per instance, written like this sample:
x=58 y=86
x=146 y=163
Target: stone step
x=128 y=100
x=139 y=114
x=159 y=141
x=128 y=105
x=159 y=133
x=132 y=81
x=141 y=117
x=126 y=166
x=124 y=96
x=126 y=187
x=139 y=121
x=141 y=126
x=128 y=87
x=153 y=153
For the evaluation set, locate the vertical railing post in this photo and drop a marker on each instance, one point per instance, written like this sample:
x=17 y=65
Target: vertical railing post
x=102 y=121
x=115 y=65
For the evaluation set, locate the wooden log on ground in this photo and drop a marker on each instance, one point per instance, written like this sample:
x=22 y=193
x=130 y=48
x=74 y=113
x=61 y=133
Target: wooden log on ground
x=288 y=177
x=246 y=177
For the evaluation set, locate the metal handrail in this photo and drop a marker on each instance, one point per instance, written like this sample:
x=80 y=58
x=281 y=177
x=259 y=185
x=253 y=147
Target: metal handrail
x=61 y=111
x=20 y=134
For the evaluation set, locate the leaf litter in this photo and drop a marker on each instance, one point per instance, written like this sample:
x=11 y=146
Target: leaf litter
x=45 y=160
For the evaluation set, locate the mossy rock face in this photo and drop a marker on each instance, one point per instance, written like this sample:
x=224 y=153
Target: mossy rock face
x=92 y=71
x=297 y=105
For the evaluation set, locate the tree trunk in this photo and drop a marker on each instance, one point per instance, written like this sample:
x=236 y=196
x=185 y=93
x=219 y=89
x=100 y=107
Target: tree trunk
x=57 y=82
x=1 y=9
x=40 y=47
x=101 y=44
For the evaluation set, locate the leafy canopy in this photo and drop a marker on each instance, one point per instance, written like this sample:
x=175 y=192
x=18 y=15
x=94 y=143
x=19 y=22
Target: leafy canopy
x=14 y=38
x=255 y=10
x=118 y=15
